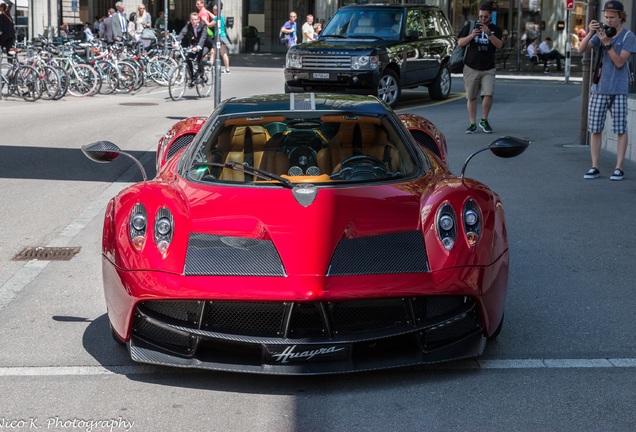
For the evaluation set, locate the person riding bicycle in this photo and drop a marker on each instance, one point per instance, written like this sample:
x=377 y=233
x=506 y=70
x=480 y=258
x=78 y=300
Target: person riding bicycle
x=194 y=35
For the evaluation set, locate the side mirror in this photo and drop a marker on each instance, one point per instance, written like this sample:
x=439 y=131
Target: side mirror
x=101 y=151
x=106 y=151
x=504 y=147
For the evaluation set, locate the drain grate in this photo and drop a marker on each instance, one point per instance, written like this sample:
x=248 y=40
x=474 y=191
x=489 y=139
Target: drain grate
x=47 y=253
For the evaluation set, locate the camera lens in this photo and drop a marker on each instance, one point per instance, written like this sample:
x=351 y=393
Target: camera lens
x=609 y=31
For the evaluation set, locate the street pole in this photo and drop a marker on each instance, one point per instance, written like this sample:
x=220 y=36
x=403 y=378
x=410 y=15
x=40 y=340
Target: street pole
x=592 y=13
x=217 y=56
x=165 y=26
x=568 y=48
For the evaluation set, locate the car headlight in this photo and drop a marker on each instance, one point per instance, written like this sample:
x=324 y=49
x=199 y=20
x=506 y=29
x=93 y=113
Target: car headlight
x=472 y=221
x=294 y=61
x=164 y=229
x=138 y=225
x=364 y=62
x=446 y=226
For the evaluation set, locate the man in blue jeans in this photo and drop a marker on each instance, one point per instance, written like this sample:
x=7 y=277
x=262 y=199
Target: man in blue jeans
x=609 y=93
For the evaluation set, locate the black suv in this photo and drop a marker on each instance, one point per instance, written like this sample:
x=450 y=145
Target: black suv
x=377 y=49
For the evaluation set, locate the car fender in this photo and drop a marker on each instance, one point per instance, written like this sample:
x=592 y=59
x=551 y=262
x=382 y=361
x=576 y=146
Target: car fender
x=176 y=138
x=117 y=244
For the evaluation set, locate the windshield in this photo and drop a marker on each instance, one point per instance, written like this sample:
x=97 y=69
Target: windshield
x=301 y=148
x=384 y=24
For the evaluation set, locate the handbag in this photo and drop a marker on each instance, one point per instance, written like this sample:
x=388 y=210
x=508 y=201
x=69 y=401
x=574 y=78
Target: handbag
x=284 y=38
x=148 y=33
x=456 y=62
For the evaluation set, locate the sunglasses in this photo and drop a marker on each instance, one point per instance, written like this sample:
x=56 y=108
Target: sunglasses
x=484 y=16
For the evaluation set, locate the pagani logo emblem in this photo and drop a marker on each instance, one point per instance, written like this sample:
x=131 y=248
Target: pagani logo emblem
x=305 y=194
x=289 y=354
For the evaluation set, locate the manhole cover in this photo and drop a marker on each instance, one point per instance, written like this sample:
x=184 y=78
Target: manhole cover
x=138 y=104
x=47 y=253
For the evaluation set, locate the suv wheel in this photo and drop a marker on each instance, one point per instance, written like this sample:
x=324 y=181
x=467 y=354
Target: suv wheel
x=389 y=88
x=440 y=89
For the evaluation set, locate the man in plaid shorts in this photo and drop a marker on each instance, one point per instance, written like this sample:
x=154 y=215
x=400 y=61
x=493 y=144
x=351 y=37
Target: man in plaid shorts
x=609 y=91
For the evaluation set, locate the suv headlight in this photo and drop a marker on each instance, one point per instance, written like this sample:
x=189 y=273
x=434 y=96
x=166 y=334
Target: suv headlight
x=294 y=61
x=364 y=62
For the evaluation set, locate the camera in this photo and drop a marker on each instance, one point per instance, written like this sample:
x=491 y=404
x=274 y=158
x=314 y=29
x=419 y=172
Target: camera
x=609 y=31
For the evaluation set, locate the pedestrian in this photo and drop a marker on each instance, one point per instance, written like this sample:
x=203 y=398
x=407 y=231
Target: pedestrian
x=160 y=24
x=309 y=33
x=106 y=27
x=609 y=90
x=546 y=53
x=120 y=23
x=95 y=28
x=7 y=29
x=479 y=66
x=289 y=28
x=225 y=42
x=143 y=21
x=88 y=33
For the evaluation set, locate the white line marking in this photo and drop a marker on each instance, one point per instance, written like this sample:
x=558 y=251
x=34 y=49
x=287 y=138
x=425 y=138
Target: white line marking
x=459 y=365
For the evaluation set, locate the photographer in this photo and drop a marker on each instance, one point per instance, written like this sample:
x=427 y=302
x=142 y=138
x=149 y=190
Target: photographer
x=613 y=45
x=479 y=66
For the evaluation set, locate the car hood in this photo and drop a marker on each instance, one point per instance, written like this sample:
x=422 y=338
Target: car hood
x=343 y=46
x=305 y=238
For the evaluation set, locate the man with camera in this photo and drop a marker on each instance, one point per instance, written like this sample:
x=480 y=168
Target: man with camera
x=612 y=45
x=479 y=66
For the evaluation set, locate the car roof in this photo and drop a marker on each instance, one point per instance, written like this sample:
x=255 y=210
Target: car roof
x=368 y=105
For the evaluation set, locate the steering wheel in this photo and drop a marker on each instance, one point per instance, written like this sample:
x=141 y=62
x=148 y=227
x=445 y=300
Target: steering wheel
x=348 y=168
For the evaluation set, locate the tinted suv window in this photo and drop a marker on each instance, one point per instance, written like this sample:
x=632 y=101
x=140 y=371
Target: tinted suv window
x=414 y=23
x=377 y=23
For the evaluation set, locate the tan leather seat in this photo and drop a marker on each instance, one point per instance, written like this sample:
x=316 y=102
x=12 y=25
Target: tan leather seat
x=364 y=27
x=249 y=144
x=357 y=139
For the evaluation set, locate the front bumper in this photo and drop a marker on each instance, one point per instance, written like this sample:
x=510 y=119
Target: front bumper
x=306 y=338
x=320 y=80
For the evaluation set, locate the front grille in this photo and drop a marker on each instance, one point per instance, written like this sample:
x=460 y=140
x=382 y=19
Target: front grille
x=176 y=324
x=331 y=63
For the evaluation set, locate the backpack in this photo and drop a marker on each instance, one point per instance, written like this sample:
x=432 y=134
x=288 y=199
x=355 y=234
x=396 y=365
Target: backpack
x=456 y=62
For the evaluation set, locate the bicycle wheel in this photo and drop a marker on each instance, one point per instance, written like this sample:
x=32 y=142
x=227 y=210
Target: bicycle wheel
x=204 y=89
x=109 y=76
x=141 y=75
x=8 y=88
x=27 y=82
x=159 y=68
x=127 y=77
x=83 y=80
x=64 y=81
x=50 y=84
x=178 y=82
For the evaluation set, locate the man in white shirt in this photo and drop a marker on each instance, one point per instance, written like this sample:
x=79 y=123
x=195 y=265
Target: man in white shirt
x=308 y=29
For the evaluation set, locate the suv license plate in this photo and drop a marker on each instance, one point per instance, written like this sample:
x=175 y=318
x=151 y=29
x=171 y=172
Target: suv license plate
x=320 y=75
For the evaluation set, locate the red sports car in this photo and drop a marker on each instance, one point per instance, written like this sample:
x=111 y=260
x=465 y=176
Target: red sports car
x=304 y=234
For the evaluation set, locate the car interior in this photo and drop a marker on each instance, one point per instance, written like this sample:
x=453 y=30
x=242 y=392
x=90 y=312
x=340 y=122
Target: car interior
x=325 y=149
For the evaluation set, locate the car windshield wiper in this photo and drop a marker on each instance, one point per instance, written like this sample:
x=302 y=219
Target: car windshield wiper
x=334 y=36
x=364 y=37
x=246 y=169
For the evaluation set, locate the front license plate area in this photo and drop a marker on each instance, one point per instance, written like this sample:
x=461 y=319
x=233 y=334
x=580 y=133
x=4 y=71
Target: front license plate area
x=320 y=75
x=295 y=354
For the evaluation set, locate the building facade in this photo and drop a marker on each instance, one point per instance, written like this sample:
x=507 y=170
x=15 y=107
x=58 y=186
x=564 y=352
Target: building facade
x=520 y=20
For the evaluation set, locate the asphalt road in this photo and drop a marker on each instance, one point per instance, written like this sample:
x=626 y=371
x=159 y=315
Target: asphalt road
x=565 y=360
